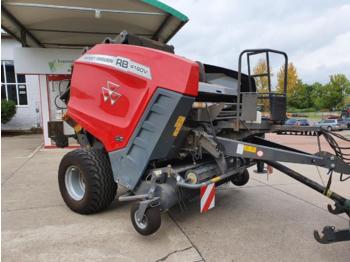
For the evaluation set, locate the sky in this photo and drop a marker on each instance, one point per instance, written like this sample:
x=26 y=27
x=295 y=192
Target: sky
x=314 y=33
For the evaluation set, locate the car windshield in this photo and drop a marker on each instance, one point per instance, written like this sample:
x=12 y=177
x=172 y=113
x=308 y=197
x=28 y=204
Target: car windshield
x=328 y=121
x=291 y=121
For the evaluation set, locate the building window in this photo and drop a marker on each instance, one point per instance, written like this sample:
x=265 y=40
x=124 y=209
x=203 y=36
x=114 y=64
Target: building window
x=13 y=86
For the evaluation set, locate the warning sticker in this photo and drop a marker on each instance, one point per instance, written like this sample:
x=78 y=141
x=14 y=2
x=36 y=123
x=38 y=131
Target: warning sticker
x=207 y=195
x=240 y=149
x=250 y=149
x=178 y=124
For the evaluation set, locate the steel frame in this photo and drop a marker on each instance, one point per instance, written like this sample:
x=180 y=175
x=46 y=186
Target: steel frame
x=252 y=52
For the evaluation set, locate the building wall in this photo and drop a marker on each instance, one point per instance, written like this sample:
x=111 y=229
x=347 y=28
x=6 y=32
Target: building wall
x=7 y=46
x=27 y=116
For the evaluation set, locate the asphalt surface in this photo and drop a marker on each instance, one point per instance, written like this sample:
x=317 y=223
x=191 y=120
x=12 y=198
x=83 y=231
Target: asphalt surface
x=270 y=219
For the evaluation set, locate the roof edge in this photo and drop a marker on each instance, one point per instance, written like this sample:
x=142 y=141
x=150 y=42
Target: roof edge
x=167 y=9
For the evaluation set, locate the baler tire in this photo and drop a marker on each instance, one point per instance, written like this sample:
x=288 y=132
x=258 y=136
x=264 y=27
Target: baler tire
x=153 y=220
x=99 y=188
x=241 y=179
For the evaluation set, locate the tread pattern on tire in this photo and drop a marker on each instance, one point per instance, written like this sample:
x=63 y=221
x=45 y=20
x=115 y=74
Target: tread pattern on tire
x=101 y=189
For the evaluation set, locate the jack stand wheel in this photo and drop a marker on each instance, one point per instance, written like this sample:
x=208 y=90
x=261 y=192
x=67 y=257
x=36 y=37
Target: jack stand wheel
x=150 y=221
x=241 y=179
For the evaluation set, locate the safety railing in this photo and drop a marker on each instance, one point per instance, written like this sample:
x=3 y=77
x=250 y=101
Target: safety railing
x=268 y=95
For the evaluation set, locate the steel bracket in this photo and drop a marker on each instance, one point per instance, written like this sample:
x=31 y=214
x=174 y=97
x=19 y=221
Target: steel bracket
x=144 y=205
x=339 y=208
x=213 y=148
x=331 y=235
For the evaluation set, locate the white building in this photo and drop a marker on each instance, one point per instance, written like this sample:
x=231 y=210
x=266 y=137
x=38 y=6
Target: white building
x=23 y=89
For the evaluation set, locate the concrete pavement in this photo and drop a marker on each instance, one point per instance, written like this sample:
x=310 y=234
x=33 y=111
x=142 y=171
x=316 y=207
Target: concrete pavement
x=266 y=220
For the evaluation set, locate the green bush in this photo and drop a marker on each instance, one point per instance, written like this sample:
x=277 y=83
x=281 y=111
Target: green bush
x=303 y=110
x=8 y=110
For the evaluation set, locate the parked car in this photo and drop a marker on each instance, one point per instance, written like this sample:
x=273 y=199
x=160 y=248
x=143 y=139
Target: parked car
x=347 y=121
x=290 y=122
x=303 y=122
x=297 y=122
x=332 y=124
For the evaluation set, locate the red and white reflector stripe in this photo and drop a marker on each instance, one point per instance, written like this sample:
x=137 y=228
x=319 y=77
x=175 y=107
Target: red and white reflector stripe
x=207 y=197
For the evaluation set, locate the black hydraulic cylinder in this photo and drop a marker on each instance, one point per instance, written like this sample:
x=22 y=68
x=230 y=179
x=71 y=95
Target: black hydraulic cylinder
x=312 y=184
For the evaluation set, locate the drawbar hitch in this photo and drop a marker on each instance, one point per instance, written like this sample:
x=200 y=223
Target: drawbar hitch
x=342 y=205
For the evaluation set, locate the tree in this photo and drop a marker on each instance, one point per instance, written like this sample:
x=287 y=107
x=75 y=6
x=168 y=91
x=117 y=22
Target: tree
x=332 y=95
x=301 y=97
x=262 y=82
x=316 y=98
x=340 y=86
x=328 y=97
x=292 y=81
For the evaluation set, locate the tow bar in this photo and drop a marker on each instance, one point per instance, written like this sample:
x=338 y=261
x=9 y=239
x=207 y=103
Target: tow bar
x=342 y=205
x=270 y=152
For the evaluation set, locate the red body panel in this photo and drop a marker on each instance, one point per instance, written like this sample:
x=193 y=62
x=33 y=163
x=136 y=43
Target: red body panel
x=107 y=121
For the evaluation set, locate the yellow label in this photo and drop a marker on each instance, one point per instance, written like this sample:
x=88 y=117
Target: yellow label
x=179 y=123
x=251 y=149
x=77 y=128
x=329 y=193
x=215 y=179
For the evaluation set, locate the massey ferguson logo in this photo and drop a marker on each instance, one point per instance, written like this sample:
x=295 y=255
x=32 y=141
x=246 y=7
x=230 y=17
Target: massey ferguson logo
x=110 y=92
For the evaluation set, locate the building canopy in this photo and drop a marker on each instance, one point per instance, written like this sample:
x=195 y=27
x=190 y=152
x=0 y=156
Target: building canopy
x=80 y=23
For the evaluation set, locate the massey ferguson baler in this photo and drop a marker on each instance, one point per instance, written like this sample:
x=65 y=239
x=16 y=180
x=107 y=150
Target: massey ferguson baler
x=167 y=129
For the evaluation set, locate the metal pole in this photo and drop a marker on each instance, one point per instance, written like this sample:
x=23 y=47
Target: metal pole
x=249 y=78
x=268 y=70
x=238 y=107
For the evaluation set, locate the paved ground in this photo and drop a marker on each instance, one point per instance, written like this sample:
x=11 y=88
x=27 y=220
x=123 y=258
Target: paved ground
x=267 y=220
